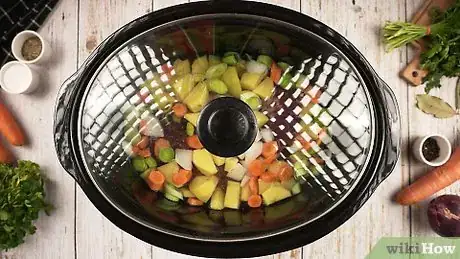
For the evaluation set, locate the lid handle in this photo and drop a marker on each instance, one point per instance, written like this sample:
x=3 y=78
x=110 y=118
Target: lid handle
x=227 y=127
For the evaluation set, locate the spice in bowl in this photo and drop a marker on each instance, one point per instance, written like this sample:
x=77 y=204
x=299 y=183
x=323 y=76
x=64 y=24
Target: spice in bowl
x=430 y=149
x=31 y=48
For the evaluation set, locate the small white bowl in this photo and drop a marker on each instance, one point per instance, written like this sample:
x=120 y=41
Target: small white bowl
x=18 y=41
x=445 y=150
x=18 y=78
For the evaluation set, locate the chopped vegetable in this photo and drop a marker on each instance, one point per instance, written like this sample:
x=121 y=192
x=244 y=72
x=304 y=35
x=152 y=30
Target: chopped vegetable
x=217 y=86
x=168 y=170
x=193 y=142
x=230 y=163
x=192 y=118
x=166 y=155
x=217 y=200
x=150 y=162
x=22 y=196
x=250 y=81
x=173 y=191
x=155 y=180
x=182 y=177
x=253 y=152
x=171 y=197
x=214 y=60
x=10 y=128
x=261 y=118
x=263 y=185
x=253 y=185
x=245 y=192
x=274 y=194
x=245 y=180
x=230 y=58
x=189 y=129
x=186 y=192
x=181 y=67
x=179 y=110
x=265 y=89
x=264 y=59
x=232 y=195
x=296 y=189
x=436 y=180
x=284 y=66
x=197 y=98
x=254 y=201
x=160 y=144
x=219 y=161
x=286 y=173
x=202 y=160
x=200 y=65
x=139 y=164
x=184 y=158
x=254 y=67
x=268 y=177
x=285 y=81
x=194 y=202
x=183 y=85
x=267 y=135
x=203 y=187
x=269 y=149
x=231 y=80
x=143 y=143
x=256 y=167
x=216 y=71
x=237 y=172
x=251 y=99
x=275 y=73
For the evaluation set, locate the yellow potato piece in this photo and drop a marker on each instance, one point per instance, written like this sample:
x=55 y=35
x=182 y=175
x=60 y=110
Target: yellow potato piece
x=217 y=200
x=232 y=195
x=202 y=159
x=203 y=187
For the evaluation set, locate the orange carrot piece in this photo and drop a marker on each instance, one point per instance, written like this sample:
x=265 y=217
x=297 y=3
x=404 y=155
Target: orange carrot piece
x=253 y=185
x=194 y=201
x=254 y=201
x=179 y=110
x=256 y=167
x=436 y=180
x=193 y=142
x=268 y=177
x=160 y=144
x=270 y=159
x=10 y=128
x=135 y=149
x=5 y=155
x=143 y=143
x=156 y=177
x=144 y=152
x=275 y=72
x=182 y=177
x=269 y=149
x=286 y=173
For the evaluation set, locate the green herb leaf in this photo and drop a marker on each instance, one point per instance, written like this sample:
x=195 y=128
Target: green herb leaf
x=21 y=199
x=435 y=106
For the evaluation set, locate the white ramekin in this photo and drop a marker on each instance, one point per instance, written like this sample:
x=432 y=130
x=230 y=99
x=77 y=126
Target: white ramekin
x=28 y=87
x=445 y=149
x=18 y=41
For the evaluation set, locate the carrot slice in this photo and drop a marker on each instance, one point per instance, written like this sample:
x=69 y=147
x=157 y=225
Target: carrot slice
x=182 y=177
x=144 y=152
x=179 y=109
x=156 y=177
x=256 y=167
x=253 y=185
x=160 y=144
x=193 y=142
x=10 y=128
x=254 y=201
x=270 y=159
x=143 y=143
x=286 y=173
x=268 y=177
x=269 y=149
x=194 y=201
x=275 y=72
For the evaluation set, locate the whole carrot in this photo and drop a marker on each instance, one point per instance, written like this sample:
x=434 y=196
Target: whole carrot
x=432 y=182
x=10 y=128
x=5 y=155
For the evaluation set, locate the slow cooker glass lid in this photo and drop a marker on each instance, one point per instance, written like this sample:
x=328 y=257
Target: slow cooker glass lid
x=325 y=97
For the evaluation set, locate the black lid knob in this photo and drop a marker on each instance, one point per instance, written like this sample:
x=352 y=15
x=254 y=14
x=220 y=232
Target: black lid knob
x=227 y=127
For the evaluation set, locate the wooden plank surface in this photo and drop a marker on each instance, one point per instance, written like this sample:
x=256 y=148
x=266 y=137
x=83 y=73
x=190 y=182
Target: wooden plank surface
x=76 y=229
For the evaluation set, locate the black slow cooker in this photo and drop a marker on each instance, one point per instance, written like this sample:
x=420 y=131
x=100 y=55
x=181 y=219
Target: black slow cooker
x=358 y=110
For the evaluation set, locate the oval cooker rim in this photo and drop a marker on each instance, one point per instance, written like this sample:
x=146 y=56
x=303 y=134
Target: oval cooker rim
x=360 y=193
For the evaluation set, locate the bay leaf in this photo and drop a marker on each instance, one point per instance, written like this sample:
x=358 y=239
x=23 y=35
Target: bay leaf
x=435 y=106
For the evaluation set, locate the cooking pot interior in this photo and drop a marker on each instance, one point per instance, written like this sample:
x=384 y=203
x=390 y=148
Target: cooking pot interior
x=118 y=96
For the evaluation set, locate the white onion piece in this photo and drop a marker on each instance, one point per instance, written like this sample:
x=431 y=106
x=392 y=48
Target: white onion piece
x=184 y=158
x=253 y=152
x=258 y=136
x=245 y=180
x=245 y=164
x=241 y=157
x=256 y=67
x=237 y=173
x=267 y=134
x=152 y=128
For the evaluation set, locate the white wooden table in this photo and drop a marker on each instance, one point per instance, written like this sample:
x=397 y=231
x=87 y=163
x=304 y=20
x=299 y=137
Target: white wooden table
x=76 y=229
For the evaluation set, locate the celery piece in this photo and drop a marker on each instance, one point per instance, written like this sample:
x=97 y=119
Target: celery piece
x=189 y=129
x=217 y=86
x=264 y=59
x=145 y=174
x=230 y=60
x=216 y=71
x=285 y=81
x=284 y=66
x=251 y=99
x=139 y=164
x=150 y=162
x=166 y=155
